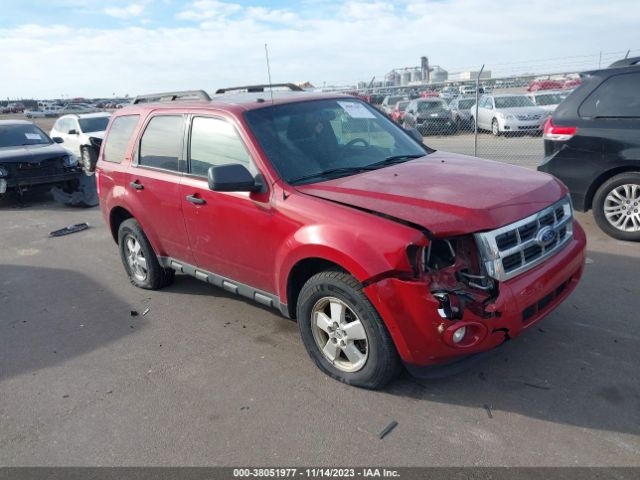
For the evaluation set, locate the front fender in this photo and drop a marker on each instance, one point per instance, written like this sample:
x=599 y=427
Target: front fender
x=364 y=254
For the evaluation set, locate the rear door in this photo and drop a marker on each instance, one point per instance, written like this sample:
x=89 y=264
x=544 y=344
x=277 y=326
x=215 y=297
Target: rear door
x=154 y=185
x=230 y=232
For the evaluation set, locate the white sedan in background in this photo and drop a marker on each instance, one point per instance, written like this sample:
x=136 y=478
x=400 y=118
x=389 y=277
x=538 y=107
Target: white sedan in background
x=508 y=113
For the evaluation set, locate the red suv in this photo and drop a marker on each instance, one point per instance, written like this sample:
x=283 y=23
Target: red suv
x=385 y=251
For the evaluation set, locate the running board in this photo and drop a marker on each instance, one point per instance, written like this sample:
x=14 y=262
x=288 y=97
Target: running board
x=263 y=298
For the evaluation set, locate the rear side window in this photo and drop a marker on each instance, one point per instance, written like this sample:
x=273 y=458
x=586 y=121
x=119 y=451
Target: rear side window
x=161 y=144
x=116 y=143
x=618 y=96
x=215 y=142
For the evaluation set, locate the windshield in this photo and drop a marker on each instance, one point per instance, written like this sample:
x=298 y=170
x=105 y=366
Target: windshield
x=19 y=135
x=95 y=124
x=432 y=106
x=464 y=104
x=310 y=138
x=402 y=106
x=549 y=99
x=513 y=102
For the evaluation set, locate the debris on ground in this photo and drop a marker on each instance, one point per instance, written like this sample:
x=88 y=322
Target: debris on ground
x=488 y=409
x=78 y=227
x=244 y=408
x=134 y=313
x=86 y=195
x=535 y=385
x=387 y=430
x=146 y=311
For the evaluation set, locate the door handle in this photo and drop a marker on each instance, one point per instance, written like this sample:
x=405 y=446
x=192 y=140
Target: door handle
x=137 y=185
x=196 y=200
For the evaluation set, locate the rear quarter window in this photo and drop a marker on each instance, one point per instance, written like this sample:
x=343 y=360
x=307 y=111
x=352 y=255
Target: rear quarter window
x=118 y=139
x=618 y=96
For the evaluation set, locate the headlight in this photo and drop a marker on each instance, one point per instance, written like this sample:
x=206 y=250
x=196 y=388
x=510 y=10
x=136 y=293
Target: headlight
x=3 y=172
x=70 y=161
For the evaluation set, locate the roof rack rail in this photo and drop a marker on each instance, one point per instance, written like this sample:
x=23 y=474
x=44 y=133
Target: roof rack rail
x=172 y=96
x=260 y=88
x=625 y=62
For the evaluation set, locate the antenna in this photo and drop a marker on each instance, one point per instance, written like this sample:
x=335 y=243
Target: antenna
x=266 y=52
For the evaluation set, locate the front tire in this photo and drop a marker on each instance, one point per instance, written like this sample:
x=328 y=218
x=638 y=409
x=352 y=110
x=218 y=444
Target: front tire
x=616 y=206
x=88 y=159
x=495 y=127
x=139 y=260
x=343 y=333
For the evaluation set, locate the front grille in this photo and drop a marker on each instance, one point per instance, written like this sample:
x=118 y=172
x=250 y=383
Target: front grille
x=540 y=305
x=515 y=248
x=525 y=118
x=51 y=166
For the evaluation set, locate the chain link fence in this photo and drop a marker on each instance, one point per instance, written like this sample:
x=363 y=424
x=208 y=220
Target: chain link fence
x=494 y=118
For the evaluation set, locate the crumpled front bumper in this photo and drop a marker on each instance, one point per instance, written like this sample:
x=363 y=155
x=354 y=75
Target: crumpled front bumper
x=410 y=311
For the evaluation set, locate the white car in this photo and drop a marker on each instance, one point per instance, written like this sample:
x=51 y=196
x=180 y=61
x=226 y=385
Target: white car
x=547 y=99
x=508 y=113
x=82 y=135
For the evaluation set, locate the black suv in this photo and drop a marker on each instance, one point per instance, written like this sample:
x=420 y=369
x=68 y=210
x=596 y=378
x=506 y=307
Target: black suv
x=592 y=144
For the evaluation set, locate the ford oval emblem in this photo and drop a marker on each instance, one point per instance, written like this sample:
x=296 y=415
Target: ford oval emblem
x=546 y=236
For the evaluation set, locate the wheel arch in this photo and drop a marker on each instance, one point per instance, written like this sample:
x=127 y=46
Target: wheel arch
x=116 y=217
x=300 y=273
x=603 y=177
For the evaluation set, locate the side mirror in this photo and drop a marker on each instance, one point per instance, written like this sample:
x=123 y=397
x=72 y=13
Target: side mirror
x=73 y=131
x=415 y=134
x=233 y=177
x=58 y=139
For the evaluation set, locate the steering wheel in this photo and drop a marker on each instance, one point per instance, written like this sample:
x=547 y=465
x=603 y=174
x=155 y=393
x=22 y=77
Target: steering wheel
x=355 y=141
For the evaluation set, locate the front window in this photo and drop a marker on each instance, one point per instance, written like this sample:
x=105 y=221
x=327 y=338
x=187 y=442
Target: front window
x=513 y=102
x=95 y=124
x=401 y=106
x=323 y=139
x=22 y=135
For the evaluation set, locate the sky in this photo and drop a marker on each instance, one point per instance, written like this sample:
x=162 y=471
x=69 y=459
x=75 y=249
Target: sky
x=81 y=48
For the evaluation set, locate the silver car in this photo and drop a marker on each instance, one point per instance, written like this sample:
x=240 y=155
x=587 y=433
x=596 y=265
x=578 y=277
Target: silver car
x=508 y=113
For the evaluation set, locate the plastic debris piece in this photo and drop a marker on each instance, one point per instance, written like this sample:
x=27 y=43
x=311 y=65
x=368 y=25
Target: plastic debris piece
x=78 y=227
x=387 y=430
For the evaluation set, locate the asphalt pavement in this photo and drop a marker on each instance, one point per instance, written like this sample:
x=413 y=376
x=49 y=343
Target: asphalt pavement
x=207 y=378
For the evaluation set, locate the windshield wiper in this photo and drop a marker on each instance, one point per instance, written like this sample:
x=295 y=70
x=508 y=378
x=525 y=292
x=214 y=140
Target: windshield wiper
x=332 y=171
x=353 y=170
x=393 y=160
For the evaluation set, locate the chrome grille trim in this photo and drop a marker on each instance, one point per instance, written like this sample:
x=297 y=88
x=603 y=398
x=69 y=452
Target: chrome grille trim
x=530 y=252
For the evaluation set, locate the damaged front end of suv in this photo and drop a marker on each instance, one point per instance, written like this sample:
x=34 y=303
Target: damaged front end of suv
x=470 y=293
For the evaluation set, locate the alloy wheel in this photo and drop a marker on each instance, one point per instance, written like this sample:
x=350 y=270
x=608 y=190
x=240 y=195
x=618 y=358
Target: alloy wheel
x=622 y=207
x=339 y=334
x=135 y=258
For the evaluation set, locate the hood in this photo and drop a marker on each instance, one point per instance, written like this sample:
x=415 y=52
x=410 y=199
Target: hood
x=446 y=193
x=31 y=153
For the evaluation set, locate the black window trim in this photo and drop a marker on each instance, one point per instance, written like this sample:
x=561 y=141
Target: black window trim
x=187 y=149
x=135 y=161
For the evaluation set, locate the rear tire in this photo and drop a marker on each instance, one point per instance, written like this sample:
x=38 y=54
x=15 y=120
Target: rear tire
x=356 y=346
x=616 y=206
x=139 y=260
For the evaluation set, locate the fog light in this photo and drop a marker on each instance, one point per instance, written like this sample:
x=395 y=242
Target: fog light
x=459 y=334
